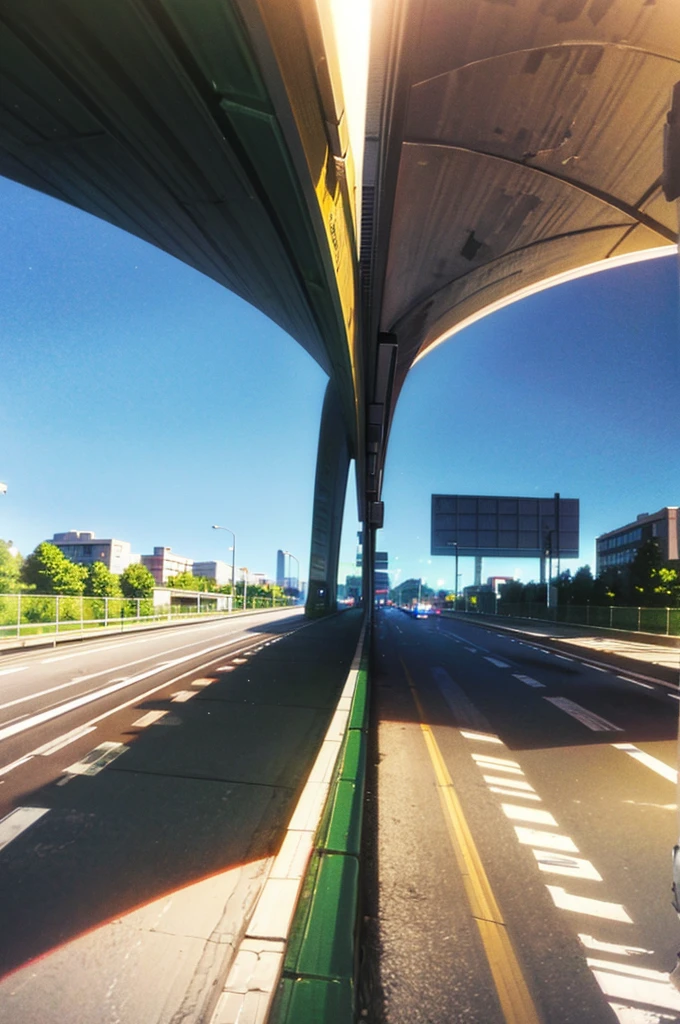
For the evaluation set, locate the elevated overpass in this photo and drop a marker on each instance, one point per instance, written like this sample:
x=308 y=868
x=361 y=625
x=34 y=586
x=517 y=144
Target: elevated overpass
x=508 y=145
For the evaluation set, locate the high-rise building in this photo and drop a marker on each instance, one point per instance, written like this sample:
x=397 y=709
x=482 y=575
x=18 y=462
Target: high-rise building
x=619 y=547
x=82 y=547
x=281 y=568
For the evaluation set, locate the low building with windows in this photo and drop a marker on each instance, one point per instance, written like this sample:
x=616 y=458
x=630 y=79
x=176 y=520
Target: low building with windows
x=220 y=572
x=163 y=564
x=618 y=547
x=82 y=547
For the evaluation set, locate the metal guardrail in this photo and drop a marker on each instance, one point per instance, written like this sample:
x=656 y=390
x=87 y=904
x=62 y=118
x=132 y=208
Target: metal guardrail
x=664 y=621
x=26 y=615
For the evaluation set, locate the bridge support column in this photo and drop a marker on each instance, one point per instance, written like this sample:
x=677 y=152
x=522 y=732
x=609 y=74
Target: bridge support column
x=332 y=466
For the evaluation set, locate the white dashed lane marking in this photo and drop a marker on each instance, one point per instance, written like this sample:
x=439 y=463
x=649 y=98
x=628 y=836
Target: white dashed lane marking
x=528 y=681
x=587 y=718
x=562 y=864
x=497 y=663
x=150 y=718
x=483 y=737
x=564 y=900
x=551 y=840
x=17 y=821
x=517 y=813
x=625 y=985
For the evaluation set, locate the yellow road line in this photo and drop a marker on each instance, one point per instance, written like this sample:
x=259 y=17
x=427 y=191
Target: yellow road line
x=514 y=996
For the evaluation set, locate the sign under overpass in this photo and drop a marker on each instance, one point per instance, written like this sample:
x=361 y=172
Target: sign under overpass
x=486 y=525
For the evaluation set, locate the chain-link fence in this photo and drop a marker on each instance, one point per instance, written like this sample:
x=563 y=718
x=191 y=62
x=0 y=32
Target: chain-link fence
x=636 y=620
x=24 y=615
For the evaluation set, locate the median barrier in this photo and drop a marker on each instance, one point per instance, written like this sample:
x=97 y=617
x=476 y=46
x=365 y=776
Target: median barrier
x=317 y=982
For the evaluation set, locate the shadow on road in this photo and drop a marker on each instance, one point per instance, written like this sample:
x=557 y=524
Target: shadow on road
x=211 y=789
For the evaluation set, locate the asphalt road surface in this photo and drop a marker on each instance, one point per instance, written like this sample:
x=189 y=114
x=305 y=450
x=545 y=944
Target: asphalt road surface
x=524 y=812
x=146 y=784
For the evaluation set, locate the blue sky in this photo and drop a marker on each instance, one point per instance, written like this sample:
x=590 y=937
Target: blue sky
x=142 y=401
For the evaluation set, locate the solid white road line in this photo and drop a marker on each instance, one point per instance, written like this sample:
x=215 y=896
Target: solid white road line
x=636 y=682
x=662 y=769
x=62 y=709
x=17 y=821
x=587 y=718
x=15 y=764
x=9 y=671
x=62 y=741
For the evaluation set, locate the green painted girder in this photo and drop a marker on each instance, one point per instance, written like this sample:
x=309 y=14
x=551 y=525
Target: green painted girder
x=158 y=117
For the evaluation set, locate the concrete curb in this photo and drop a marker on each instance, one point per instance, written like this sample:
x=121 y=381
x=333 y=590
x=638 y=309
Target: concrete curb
x=296 y=959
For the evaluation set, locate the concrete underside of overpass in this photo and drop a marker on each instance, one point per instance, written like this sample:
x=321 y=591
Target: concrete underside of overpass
x=507 y=144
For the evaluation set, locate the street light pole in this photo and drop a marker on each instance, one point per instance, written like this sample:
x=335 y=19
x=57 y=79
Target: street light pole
x=244 y=570
x=297 y=561
x=233 y=560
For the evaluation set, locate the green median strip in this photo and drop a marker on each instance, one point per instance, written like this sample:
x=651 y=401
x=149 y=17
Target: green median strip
x=319 y=968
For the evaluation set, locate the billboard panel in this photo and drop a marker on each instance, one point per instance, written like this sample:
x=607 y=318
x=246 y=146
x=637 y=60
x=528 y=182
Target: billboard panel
x=504 y=527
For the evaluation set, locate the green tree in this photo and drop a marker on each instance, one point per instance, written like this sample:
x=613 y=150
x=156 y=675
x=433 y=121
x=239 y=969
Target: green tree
x=101 y=582
x=643 y=574
x=137 y=581
x=666 y=582
x=582 y=586
x=183 y=581
x=48 y=571
x=511 y=592
x=10 y=568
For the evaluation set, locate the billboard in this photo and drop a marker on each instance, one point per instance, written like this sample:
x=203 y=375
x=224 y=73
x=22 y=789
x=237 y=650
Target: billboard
x=478 y=524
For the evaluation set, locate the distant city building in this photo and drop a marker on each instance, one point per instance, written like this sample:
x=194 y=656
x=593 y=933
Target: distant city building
x=353 y=587
x=496 y=582
x=220 y=572
x=82 y=547
x=281 y=568
x=163 y=564
x=619 y=547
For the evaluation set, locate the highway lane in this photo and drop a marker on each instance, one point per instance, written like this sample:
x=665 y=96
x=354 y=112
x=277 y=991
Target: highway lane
x=526 y=809
x=139 y=838
x=56 y=705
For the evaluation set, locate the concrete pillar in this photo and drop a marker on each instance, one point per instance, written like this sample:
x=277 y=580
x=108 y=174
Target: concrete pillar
x=332 y=465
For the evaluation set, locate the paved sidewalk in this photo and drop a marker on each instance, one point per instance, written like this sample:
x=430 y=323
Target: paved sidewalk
x=126 y=900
